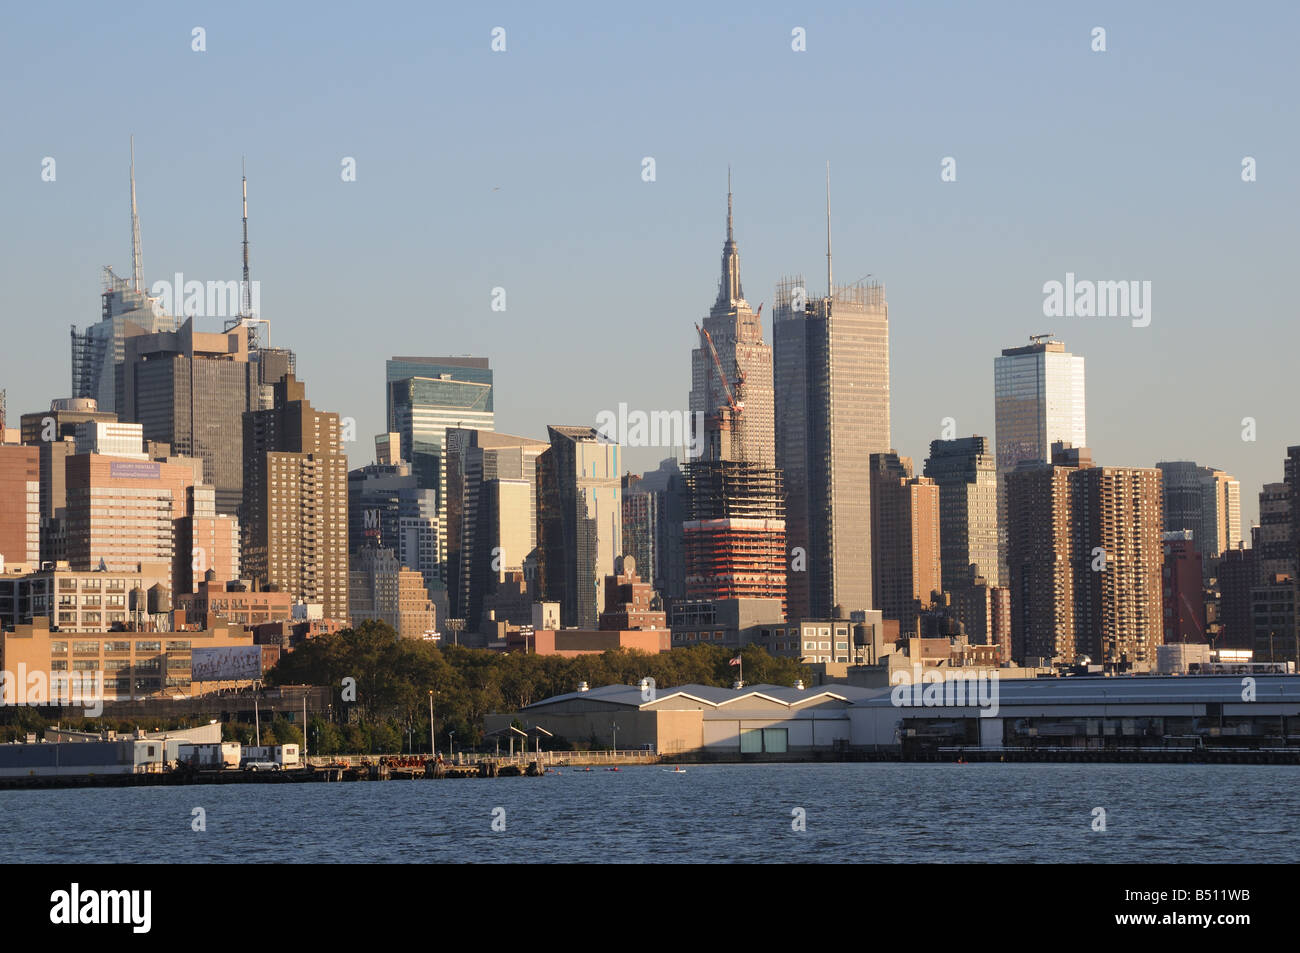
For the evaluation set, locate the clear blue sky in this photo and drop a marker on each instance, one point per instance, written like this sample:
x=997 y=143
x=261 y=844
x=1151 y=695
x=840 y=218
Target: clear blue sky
x=522 y=169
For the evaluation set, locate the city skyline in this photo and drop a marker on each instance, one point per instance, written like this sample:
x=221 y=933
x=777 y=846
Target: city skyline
x=994 y=236
x=643 y=458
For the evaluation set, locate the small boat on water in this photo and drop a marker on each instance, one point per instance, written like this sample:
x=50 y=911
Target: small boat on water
x=674 y=770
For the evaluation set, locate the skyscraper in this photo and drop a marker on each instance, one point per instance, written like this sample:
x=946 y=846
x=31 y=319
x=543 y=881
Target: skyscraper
x=1238 y=573
x=1205 y=501
x=97 y=352
x=1118 y=515
x=491 y=513
x=831 y=380
x=190 y=389
x=451 y=392
x=735 y=332
x=967 y=477
x=1085 y=554
x=654 y=509
x=1038 y=399
x=425 y=396
x=733 y=537
x=20 y=505
x=733 y=540
x=579 y=522
x=388 y=508
x=1184 y=595
x=905 y=540
x=295 y=515
x=1275 y=550
x=1040 y=558
x=832 y=413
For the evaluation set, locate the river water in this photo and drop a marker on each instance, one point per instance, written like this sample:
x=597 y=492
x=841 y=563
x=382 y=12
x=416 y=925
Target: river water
x=716 y=813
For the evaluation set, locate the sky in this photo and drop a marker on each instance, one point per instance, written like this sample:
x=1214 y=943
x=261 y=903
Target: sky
x=522 y=169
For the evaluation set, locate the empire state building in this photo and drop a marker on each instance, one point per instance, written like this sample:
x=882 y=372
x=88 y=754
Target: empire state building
x=736 y=388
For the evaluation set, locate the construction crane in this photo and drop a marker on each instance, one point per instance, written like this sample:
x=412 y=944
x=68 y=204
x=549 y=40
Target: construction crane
x=729 y=418
x=722 y=375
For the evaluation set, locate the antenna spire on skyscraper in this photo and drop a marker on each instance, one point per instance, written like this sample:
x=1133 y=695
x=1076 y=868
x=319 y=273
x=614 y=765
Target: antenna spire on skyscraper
x=246 y=303
x=830 y=288
x=729 y=290
x=137 y=262
x=729 y=232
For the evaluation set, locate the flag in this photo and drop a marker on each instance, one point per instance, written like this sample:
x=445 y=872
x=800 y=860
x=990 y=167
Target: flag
x=735 y=661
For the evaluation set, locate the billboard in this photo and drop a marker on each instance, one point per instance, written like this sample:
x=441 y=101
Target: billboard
x=134 y=470
x=228 y=664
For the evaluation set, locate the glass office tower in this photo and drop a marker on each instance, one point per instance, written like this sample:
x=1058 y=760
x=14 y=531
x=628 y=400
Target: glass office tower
x=426 y=396
x=1038 y=399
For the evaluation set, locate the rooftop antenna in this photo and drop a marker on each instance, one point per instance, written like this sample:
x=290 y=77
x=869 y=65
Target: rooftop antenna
x=137 y=265
x=729 y=234
x=830 y=289
x=246 y=302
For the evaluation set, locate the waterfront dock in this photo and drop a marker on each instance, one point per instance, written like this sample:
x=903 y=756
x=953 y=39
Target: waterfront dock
x=342 y=768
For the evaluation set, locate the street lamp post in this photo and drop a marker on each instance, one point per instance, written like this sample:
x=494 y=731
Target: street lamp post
x=614 y=725
x=432 y=752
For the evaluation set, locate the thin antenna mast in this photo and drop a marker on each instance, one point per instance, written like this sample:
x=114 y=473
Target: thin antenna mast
x=729 y=231
x=137 y=264
x=247 y=303
x=830 y=288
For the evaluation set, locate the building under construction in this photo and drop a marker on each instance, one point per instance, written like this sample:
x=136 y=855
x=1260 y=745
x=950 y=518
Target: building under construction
x=734 y=534
x=733 y=538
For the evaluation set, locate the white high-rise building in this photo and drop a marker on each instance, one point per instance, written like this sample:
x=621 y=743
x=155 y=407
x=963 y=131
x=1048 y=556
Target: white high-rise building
x=1038 y=399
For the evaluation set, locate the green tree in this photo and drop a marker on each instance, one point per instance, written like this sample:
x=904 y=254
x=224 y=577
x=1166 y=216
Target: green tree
x=385 y=739
x=286 y=732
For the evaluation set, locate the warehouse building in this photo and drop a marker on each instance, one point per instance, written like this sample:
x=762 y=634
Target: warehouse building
x=972 y=710
x=1092 y=713
x=699 y=720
